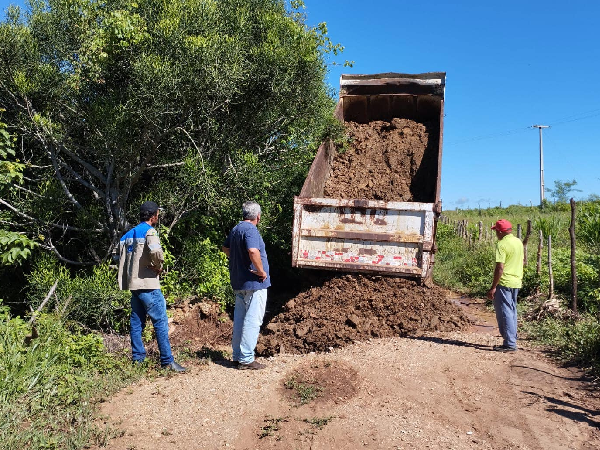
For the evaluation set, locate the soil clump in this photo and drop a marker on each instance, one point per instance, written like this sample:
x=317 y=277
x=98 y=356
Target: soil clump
x=390 y=161
x=352 y=308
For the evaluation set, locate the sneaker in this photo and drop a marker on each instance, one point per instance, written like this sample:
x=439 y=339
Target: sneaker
x=174 y=367
x=254 y=365
x=504 y=348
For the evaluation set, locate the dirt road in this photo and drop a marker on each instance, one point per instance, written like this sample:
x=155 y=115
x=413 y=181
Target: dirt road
x=432 y=391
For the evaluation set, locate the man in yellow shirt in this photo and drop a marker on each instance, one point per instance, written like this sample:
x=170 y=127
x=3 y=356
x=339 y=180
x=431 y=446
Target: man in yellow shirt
x=508 y=276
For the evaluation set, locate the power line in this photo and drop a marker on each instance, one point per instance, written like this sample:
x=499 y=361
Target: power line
x=567 y=120
x=560 y=121
x=490 y=136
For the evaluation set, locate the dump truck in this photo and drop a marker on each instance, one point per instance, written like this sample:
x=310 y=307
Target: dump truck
x=368 y=235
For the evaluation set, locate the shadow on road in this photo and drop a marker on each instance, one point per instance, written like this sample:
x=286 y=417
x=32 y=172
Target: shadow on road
x=582 y=378
x=455 y=342
x=581 y=415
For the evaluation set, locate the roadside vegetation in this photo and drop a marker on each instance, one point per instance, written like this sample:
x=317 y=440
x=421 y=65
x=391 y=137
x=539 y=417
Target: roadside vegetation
x=466 y=267
x=52 y=375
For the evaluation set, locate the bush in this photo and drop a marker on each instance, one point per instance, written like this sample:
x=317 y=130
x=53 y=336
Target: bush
x=588 y=281
x=460 y=267
x=588 y=226
x=551 y=225
x=92 y=299
x=577 y=341
x=49 y=376
x=532 y=282
x=451 y=249
x=204 y=270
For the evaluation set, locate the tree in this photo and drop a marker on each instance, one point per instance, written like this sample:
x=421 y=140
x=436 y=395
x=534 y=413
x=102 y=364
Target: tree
x=198 y=103
x=562 y=190
x=14 y=247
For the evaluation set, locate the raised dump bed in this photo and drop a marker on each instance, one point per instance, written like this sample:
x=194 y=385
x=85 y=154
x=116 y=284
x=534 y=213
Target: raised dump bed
x=374 y=207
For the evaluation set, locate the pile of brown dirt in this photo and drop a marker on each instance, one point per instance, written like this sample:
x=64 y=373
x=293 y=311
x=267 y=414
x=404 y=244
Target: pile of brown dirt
x=199 y=325
x=390 y=161
x=351 y=308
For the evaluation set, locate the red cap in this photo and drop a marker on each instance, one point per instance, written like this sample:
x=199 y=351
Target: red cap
x=502 y=226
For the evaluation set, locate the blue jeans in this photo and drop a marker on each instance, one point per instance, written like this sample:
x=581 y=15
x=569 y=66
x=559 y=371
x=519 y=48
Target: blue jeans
x=247 y=319
x=505 y=304
x=151 y=303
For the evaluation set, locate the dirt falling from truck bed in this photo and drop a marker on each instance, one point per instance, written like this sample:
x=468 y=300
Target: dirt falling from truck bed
x=390 y=161
x=350 y=308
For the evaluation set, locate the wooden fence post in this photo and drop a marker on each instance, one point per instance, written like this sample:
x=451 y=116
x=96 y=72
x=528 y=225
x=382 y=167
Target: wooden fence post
x=519 y=231
x=480 y=225
x=573 y=265
x=538 y=266
x=550 y=276
x=526 y=240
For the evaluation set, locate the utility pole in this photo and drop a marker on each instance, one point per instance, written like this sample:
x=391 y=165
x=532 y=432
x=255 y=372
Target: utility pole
x=541 y=162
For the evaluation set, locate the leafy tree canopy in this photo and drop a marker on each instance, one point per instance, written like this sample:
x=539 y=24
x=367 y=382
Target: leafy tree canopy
x=199 y=104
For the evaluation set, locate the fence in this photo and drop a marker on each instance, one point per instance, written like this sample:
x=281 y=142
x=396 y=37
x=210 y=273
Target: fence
x=483 y=233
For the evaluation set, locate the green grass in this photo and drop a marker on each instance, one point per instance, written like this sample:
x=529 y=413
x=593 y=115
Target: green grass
x=555 y=218
x=572 y=340
x=304 y=391
x=271 y=426
x=319 y=422
x=51 y=379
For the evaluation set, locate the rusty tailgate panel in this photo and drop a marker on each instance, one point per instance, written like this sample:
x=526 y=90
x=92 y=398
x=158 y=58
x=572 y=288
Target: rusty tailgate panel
x=363 y=235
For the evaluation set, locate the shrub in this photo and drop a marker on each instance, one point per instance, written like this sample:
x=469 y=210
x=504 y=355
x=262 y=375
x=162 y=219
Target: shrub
x=588 y=226
x=92 y=299
x=49 y=376
x=14 y=247
x=549 y=226
x=204 y=270
x=460 y=267
x=588 y=281
x=577 y=341
x=477 y=270
x=532 y=282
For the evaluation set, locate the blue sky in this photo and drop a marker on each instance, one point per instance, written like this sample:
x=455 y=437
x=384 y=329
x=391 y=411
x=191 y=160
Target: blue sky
x=509 y=65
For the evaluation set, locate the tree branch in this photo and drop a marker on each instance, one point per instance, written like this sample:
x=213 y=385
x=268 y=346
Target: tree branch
x=164 y=166
x=90 y=168
x=53 y=225
x=52 y=155
x=54 y=250
x=28 y=191
x=80 y=179
x=52 y=289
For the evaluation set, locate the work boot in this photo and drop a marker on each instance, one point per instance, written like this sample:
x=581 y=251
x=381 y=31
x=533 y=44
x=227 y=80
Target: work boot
x=504 y=348
x=174 y=367
x=254 y=365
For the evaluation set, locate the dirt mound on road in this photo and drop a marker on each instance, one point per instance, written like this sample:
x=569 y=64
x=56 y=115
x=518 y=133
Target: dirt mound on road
x=390 y=161
x=351 y=308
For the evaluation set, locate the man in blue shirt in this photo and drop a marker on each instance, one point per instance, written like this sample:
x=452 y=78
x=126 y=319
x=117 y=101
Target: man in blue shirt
x=249 y=275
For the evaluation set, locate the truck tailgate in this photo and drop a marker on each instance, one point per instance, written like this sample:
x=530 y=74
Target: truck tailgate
x=363 y=235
